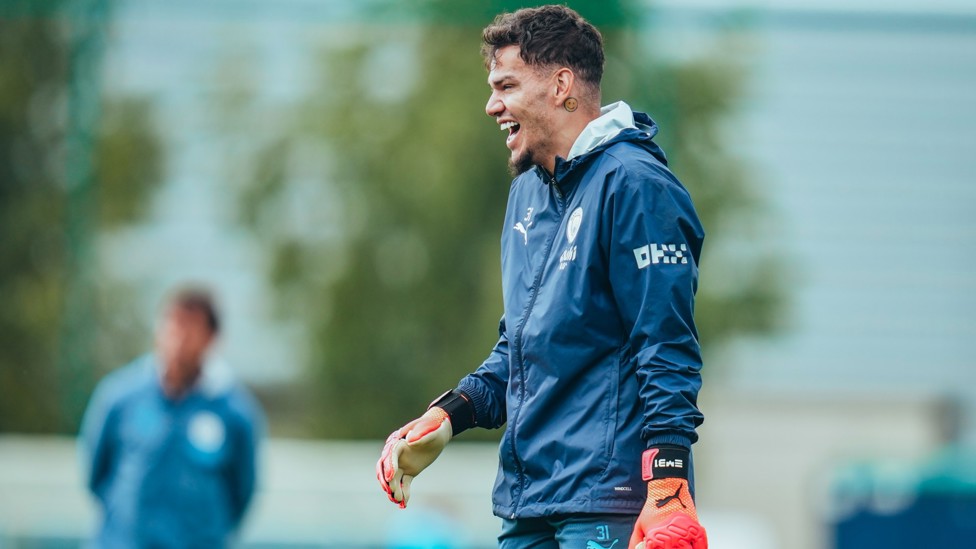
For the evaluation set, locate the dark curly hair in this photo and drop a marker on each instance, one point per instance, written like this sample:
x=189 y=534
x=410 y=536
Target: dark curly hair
x=548 y=36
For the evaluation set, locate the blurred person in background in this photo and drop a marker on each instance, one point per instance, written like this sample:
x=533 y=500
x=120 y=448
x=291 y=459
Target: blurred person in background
x=170 y=441
x=597 y=368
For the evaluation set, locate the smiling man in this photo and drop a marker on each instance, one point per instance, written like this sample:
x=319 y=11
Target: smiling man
x=596 y=371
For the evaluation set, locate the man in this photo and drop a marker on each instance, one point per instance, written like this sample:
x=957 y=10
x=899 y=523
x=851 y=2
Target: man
x=170 y=440
x=597 y=368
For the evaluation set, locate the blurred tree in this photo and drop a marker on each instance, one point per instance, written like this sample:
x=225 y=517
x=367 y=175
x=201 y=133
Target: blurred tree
x=402 y=298
x=39 y=146
x=407 y=294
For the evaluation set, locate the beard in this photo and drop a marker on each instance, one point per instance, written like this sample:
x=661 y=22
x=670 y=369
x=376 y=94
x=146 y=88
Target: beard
x=531 y=156
x=517 y=165
x=540 y=127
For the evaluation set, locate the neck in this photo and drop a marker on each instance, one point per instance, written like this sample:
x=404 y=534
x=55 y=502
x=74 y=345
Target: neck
x=571 y=125
x=176 y=385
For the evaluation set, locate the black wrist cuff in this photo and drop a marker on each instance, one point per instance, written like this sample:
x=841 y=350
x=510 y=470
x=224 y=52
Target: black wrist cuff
x=459 y=409
x=665 y=461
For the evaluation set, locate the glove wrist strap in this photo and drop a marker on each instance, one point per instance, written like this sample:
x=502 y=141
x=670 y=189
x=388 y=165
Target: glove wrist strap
x=665 y=462
x=459 y=409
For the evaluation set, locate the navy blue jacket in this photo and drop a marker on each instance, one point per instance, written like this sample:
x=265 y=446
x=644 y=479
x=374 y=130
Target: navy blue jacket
x=170 y=474
x=598 y=355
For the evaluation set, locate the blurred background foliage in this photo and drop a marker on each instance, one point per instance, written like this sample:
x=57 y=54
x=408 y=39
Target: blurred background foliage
x=399 y=293
x=74 y=163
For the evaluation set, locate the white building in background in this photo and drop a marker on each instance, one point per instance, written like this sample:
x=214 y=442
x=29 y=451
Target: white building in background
x=859 y=123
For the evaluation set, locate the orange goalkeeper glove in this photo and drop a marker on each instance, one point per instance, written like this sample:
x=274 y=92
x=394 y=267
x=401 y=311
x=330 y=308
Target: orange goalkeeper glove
x=413 y=447
x=669 y=519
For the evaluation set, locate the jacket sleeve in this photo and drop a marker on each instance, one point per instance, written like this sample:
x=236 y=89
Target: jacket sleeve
x=653 y=239
x=242 y=473
x=98 y=441
x=488 y=384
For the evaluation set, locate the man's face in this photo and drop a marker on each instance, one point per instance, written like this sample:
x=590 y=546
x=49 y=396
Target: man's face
x=182 y=341
x=518 y=103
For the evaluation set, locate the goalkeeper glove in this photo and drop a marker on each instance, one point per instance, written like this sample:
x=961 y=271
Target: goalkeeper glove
x=669 y=519
x=413 y=447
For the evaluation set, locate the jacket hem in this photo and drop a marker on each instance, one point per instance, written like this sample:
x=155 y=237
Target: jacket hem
x=575 y=507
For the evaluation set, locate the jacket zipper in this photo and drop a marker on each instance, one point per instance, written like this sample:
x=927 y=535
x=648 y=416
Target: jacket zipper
x=534 y=293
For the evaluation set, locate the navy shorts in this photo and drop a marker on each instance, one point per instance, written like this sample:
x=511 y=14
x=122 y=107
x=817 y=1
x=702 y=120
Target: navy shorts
x=567 y=532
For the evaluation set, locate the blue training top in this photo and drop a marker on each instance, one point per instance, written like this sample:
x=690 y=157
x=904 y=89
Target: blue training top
x=598 y=355
x=170 y=473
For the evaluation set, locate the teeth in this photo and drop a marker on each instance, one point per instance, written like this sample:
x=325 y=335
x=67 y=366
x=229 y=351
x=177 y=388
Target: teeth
x=507 y=125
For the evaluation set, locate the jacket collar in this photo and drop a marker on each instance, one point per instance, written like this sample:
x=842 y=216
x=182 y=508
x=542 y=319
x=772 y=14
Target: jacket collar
x=216 y=377
x=616 y=123
x=613 y=119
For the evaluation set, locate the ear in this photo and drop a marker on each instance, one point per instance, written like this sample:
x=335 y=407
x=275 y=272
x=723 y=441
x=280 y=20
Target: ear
x=562 y=82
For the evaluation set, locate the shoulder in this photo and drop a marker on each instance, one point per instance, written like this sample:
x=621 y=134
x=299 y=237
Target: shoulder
x=633 y=169
x=122 y=383
x=632 y=159
x=241 y=407
x=242 y=400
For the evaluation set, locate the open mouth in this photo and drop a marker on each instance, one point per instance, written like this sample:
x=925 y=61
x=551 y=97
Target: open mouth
x=512 y=128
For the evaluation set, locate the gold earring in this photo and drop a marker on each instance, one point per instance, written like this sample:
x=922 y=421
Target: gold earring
x=571 y=104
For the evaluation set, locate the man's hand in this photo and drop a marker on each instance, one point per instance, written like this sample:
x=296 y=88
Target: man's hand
x=409 y=450
x=669 y=519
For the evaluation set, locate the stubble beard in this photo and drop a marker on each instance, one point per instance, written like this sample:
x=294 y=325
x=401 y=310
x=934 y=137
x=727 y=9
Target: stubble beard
x=542 y=124
x=517 y=165
x=534 y=155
